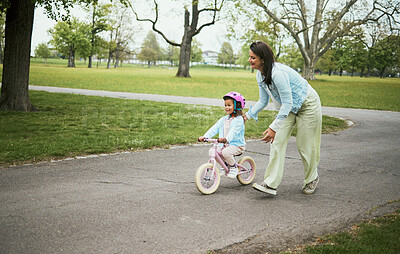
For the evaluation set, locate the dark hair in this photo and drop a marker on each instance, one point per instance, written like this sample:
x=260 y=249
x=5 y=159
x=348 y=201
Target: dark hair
x=264 y=52
x=238 y=112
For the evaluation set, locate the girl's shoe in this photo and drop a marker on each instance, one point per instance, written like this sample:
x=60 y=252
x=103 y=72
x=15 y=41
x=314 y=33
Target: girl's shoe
x=233 y=171
x=263 y=187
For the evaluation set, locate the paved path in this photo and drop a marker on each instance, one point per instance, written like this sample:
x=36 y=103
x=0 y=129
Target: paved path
x=146 y=202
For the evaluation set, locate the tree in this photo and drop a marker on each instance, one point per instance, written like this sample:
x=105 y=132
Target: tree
x=18 y=37
x=196 y=54
x=326 y=63
x=339 y=54
x=150 y=42
x=149 y=55
x=171 y=54
x=244 y=56
x=191 y=29
x=292 y=57
x=43 y=51
x=120 y=33
x=69 y=37
x=98 y=24
x=386 y=53
x=2 y=35
x=358 y=55
x=226 y=54
x=315 y=27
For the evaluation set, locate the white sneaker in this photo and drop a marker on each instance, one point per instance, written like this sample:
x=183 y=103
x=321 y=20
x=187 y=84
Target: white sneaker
x=263 y=187
x=233 y=172
x=222 y=172
x=310 y=187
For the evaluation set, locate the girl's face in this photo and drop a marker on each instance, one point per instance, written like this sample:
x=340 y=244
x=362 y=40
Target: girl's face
x=229 y=106
x=255 y=61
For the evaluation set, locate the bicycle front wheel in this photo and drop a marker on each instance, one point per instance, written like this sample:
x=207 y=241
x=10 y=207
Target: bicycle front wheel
x=206 y=181
x=246 y=178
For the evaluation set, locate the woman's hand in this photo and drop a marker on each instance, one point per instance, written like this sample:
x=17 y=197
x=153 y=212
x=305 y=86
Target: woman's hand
x=245 y=118
x=269 y=135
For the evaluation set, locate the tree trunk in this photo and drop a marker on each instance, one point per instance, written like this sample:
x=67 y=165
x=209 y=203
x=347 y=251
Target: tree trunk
x=93 y=33
x=18 y=36
x=90 y=61
x=109 y=59
x=71 y=57
x=382 y=72
x=308 y=70
x=186 y=45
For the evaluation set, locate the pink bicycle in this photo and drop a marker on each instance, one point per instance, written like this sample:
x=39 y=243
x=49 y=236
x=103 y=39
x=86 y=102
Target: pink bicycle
x=208 y=176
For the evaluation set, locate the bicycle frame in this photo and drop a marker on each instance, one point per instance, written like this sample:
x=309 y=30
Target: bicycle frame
x=217 y=157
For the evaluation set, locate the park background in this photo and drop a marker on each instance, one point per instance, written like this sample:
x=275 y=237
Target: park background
x=139 y=60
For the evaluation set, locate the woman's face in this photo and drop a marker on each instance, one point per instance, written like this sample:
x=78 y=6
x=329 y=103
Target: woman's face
x=255 y=61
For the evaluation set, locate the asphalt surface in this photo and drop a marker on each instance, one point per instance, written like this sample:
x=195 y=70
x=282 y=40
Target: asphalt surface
x=147 y=202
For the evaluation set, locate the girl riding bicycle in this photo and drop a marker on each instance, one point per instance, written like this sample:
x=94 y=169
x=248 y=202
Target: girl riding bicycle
x=231 y=131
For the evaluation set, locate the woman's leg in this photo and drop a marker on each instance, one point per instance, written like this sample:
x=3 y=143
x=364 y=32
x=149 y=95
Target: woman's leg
x=274 y=172
x=308 y=140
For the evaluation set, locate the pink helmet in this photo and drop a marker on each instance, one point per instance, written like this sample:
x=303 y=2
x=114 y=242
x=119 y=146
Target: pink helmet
x=237 y=97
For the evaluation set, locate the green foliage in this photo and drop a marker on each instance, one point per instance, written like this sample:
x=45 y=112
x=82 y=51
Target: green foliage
x=98 y=23
x=43 y=51
x=71 y=37
x=292 y=57
x=226 y=54
x=171 y=54
x=196 y=54
x=150 y=42
x=386 y=53
x=149 y=55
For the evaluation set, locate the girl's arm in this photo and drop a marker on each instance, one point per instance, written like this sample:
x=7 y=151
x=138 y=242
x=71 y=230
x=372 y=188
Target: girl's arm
x=214 y=130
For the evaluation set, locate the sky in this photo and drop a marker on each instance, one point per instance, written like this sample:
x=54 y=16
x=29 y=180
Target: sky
x=211 y=38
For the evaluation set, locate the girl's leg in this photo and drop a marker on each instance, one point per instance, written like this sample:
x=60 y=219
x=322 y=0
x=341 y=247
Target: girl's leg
x=308 y=140
x=274 y=172
x=228 y=153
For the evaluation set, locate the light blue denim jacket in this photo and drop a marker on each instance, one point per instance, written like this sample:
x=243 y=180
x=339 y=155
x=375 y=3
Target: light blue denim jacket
x=289 y=90
x=235 y=136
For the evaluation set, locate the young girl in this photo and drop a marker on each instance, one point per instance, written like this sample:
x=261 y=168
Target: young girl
x=231 y=130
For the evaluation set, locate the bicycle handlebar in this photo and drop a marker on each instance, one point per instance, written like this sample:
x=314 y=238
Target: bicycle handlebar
x=211 y=140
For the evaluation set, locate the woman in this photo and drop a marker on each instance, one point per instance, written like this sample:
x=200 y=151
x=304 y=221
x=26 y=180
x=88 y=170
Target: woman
x=297 y=102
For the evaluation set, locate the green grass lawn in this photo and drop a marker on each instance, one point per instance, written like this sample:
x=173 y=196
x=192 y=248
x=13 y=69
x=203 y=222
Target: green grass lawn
x=352 y=92
x=376 y=236
x=68 y=125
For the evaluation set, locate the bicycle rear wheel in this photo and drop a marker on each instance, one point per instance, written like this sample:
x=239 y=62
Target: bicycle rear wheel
x=247 y=177
x=206 y=181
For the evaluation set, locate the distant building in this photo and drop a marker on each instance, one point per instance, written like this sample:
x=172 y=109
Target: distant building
x=210 y=57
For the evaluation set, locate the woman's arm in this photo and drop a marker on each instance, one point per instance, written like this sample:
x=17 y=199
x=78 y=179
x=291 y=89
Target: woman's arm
x=260 y=105
x=282 y=83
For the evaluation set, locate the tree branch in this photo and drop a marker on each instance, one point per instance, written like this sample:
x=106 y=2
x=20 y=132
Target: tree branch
x=214 y=10
x=287 y=26
x=154 y=23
